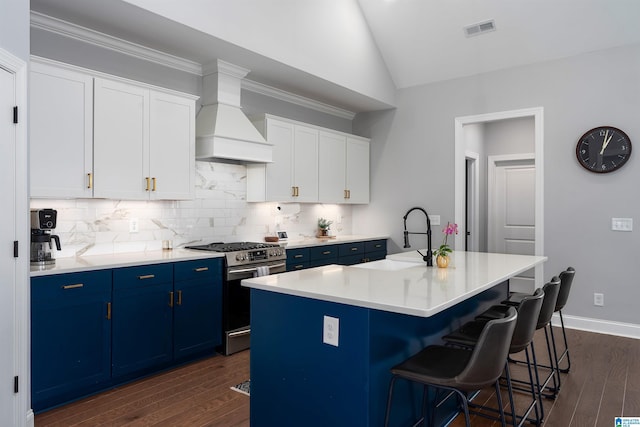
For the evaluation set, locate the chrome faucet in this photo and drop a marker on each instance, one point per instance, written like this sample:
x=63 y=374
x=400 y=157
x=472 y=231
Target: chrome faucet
x=428 y=257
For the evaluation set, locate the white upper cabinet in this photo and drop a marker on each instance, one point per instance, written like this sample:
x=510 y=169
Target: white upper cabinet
x=293 y=175
x=343 y=168
x=61 y=132
x=310 y=164
x=172 y=151
x=109 y=138
x=121 y=141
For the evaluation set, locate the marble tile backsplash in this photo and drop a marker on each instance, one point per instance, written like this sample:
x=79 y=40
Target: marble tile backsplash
x=219 y=212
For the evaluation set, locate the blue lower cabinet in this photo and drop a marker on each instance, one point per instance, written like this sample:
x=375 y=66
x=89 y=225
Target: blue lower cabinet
x=297 y=259
x=70 y=336
x=197 y=314
x=143 y=302
x=323 y=255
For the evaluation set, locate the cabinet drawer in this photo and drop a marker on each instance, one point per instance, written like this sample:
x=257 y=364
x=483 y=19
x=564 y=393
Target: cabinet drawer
x=147 y=275
x=319 y=253
x=293 y=266
x=77 y=284
x=297 y=255
x=205 y=268
x=350 y=249
x=375 y=246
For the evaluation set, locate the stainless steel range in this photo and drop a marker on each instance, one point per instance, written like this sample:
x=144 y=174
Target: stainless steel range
x=242 y=260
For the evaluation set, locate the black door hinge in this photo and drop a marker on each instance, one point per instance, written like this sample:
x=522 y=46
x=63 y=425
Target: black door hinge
x=15 y=384
x=15 y=114
x=15 y=249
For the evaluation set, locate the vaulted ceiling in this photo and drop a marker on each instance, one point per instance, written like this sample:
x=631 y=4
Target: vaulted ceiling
x=354 y=54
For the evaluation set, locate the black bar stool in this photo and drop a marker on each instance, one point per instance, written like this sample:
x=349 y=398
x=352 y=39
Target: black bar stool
x=460 y=370
x=566 y=279
x=528 y=313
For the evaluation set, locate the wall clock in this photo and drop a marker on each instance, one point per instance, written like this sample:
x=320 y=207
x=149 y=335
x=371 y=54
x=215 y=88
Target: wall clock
x=603 y=149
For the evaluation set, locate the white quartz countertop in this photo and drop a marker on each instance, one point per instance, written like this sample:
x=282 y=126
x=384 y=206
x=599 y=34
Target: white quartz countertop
x=402 y=283
x=314 y=241
x=101 y=262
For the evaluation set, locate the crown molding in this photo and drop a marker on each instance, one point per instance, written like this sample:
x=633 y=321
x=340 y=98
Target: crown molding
x=96 y=38
x=282 y=95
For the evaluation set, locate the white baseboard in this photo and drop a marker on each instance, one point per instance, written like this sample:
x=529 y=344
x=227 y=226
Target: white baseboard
x=629 y=330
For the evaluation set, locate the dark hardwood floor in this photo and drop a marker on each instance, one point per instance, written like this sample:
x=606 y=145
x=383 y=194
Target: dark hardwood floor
x=604 y=382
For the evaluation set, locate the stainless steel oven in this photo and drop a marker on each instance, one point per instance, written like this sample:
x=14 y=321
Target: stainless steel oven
x=242 y=260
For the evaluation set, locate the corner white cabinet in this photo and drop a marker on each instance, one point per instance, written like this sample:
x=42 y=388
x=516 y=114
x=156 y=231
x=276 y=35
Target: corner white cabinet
x=95 y=136
x=310 y=164
x=293 y=175
x=61 y=132
x=343 y=167
x=144 y=143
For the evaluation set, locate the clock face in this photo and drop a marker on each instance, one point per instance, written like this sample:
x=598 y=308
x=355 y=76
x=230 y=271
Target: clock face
x=603 y=149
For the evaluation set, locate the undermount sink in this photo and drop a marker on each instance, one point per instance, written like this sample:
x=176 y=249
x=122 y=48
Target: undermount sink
x=387 y=264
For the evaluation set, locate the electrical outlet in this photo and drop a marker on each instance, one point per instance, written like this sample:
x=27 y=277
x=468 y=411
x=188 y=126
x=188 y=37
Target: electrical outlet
x=133 y=225
x=598 y=299
x=331 y=330
x=435 y=219
x=622 y=224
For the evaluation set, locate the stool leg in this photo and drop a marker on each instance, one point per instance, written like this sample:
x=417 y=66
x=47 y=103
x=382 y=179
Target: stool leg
x=533 y=391
x=388 y=412
x=500 y=406
x=538 y=385
x=554 y=369
x=566 y=347
x=507 y=373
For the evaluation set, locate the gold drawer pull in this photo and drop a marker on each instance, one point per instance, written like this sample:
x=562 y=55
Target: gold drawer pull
x=200 y=269
x=298 y=256
x=179 y=297
x=108 y=311
x=326 y=253
x=298 y=267
x=170 y=299
x=354 y=249
x=153 y=188
x=378 y=245
x=76 y=286
x=146 y=276
x=90 y=176
x=147 y=179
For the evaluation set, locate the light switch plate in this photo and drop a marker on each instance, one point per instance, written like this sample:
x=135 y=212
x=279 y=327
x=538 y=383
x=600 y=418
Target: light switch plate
x=622 y=224
x=435 y=219
x=331 y=330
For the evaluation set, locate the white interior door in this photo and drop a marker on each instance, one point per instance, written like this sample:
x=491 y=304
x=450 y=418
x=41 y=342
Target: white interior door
x=511 y=215
x=7 y=237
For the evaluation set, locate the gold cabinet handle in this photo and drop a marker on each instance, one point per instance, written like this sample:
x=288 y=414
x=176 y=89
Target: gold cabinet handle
x=348 y=194
x=345 y=194
x=199 y=269
x=326 y=253
x=297 y=191
x=76 y=286
x=108 y=311
x=146 y=276
x=170 y=299
x=298 y=256
x=179 y=298
x=293 y=191
x=153 y=188
x=354 y=249
x=90 y=177
x=147 y=179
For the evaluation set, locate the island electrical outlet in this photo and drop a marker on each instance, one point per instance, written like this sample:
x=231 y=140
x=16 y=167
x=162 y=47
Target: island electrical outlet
x=331 y=330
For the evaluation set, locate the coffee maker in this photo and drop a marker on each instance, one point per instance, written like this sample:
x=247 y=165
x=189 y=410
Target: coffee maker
x=43 y=221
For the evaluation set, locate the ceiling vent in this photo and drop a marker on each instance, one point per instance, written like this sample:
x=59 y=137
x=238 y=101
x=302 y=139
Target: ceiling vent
x=480 y=28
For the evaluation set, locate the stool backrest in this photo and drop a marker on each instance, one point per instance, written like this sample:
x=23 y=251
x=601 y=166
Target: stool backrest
x=528 y=314
x=489 y=355
x=566 y=279
x=551 y=290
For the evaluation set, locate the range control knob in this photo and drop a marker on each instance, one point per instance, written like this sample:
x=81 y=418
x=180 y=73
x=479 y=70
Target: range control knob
x=239 y=257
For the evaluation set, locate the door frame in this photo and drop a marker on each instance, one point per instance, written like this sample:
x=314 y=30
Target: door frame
x=537 y=113
x=473 y=212
x=22 y=413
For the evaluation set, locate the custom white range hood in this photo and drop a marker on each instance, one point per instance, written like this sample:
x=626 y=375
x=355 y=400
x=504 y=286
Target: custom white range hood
x=223 y=132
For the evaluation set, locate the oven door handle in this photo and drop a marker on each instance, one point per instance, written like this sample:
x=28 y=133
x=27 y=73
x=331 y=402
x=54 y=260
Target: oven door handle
x=255 y=269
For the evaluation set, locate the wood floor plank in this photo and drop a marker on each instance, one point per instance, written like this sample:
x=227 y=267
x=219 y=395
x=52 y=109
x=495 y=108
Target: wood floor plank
x=603 y=381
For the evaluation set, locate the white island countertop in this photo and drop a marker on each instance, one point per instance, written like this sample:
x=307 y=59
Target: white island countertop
x=402 y=283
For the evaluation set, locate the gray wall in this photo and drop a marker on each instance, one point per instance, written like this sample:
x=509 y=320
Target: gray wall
x=63 y=49
x=412 y=163
x=14 y=27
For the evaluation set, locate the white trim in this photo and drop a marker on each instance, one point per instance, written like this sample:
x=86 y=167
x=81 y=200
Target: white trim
x=22 y=414
x=96 y=38
x=609 y=327
x=272 y=92
x=459 y=165
x=87 y=35
x=475 y=202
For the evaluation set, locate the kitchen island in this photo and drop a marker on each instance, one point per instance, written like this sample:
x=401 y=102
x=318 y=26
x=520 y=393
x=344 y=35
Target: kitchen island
x=386 y=311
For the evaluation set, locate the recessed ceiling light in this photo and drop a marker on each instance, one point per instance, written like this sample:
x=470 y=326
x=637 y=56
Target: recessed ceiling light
x=480 y=28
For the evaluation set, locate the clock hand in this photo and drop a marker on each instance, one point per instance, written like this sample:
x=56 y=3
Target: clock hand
x=606 y=141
